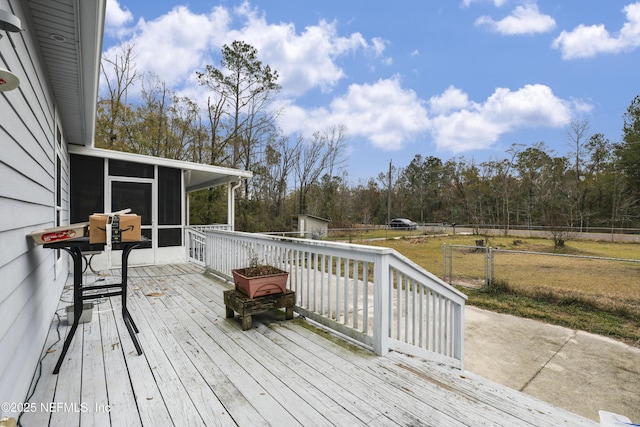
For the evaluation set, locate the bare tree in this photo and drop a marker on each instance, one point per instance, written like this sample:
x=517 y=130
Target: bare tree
x=119 y=75
x=152 y=116
x=182 y=128
x=577 y=135
x=502 y=184
x=322 y=154
x=271 y=178
x=469 y=190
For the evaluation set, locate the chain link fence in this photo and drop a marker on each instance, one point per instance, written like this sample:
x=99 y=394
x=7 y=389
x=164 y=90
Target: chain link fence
x=611 y=280
x=467 y=265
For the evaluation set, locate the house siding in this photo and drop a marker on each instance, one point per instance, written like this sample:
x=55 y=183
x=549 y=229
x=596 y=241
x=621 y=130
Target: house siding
x=32 y=277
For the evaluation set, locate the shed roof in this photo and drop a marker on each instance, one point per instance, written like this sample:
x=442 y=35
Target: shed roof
x=311 y=216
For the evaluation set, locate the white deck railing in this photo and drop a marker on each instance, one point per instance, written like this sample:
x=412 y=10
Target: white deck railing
x=196 y=241
x=371 y=294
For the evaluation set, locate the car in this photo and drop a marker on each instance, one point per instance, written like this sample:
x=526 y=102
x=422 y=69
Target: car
x=403 y=224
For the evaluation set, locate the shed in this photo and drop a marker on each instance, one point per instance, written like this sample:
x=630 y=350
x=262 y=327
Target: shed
x=311 y=226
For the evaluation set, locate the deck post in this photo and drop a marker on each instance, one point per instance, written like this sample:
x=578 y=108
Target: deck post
x=458 y=331
x=381 y=299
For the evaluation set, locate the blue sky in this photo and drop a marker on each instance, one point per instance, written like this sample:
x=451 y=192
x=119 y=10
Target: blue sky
x=444 y=78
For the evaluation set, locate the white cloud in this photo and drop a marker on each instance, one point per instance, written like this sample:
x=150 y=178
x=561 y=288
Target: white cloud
x=383 y=112
x=169 y=47
x=497 y=3
x=461 y=125
x=525 y=19
x=116 y=17
x=379 y=46
x=303 y=60
x=391 y=116
x=588 y=41
x=452 y=99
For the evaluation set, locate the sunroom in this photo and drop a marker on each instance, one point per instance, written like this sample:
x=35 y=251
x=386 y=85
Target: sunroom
x=156 y=189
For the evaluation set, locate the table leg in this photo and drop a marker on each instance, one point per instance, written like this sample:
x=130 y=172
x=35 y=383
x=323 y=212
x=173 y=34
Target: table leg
x=66 y=345
x=78 y=305
x=128 y=321
x=127 y=315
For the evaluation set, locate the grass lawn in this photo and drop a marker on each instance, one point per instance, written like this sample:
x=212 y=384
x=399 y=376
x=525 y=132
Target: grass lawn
x=597 y=296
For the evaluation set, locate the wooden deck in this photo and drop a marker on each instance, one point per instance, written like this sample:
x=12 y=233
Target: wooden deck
x=201 y=369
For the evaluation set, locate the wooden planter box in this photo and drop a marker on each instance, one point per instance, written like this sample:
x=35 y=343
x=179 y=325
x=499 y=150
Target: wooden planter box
x=260 y=285
x=234 y=300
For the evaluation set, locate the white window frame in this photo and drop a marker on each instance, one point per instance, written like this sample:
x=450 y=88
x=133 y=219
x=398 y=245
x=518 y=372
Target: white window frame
x=58 y=191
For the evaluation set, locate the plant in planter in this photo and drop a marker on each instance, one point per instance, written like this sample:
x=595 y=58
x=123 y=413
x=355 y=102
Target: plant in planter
x=260 y=279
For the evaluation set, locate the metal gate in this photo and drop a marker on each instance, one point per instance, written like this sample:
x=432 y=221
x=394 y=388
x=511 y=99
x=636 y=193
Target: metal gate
x=468 y=265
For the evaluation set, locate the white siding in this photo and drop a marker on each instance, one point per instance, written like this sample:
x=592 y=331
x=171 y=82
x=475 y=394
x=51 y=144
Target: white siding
x=31 y=277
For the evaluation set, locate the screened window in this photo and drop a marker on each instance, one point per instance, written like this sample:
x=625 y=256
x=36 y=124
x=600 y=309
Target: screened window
x=87 y=187
x=169 y=237
x=169 y=196
x=130 y=169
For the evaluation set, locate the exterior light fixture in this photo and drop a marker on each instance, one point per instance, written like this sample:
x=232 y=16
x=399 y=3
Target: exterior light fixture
x=9 y=22
x=8 y=80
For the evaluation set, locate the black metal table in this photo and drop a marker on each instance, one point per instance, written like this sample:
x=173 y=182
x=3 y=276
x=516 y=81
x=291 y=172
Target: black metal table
x=76 y=247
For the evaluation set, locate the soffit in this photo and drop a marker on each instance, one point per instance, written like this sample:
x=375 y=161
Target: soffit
x=69 y=33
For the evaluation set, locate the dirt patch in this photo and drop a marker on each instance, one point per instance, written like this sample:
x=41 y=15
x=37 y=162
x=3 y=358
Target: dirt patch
x=469 y=283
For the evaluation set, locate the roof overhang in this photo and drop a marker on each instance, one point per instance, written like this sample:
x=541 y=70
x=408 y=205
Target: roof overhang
x=197 y=176
x=70 y=34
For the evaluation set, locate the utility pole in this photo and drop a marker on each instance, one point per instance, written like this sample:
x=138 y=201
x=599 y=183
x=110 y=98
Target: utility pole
x=389 y=196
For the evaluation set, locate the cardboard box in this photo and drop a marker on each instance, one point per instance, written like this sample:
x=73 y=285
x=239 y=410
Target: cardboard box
x=57 y=234
x=128 y=229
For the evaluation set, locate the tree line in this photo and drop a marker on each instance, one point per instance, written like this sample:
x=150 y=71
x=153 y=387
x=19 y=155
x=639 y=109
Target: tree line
x=594 y=184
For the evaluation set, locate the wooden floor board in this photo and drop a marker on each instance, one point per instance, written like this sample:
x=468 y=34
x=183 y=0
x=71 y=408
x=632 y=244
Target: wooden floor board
x=309 y=406
x=390 y=402
x=298 y=375
x=273 y=357
x=149 y=400
x=200 y=368
x=158 y=346
x=68 y=392
x=94 y=382
x=508 y=402
x=426 y=394
x=174 y=359
x=203 y=352
x=123 y=410
x=255 y=384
